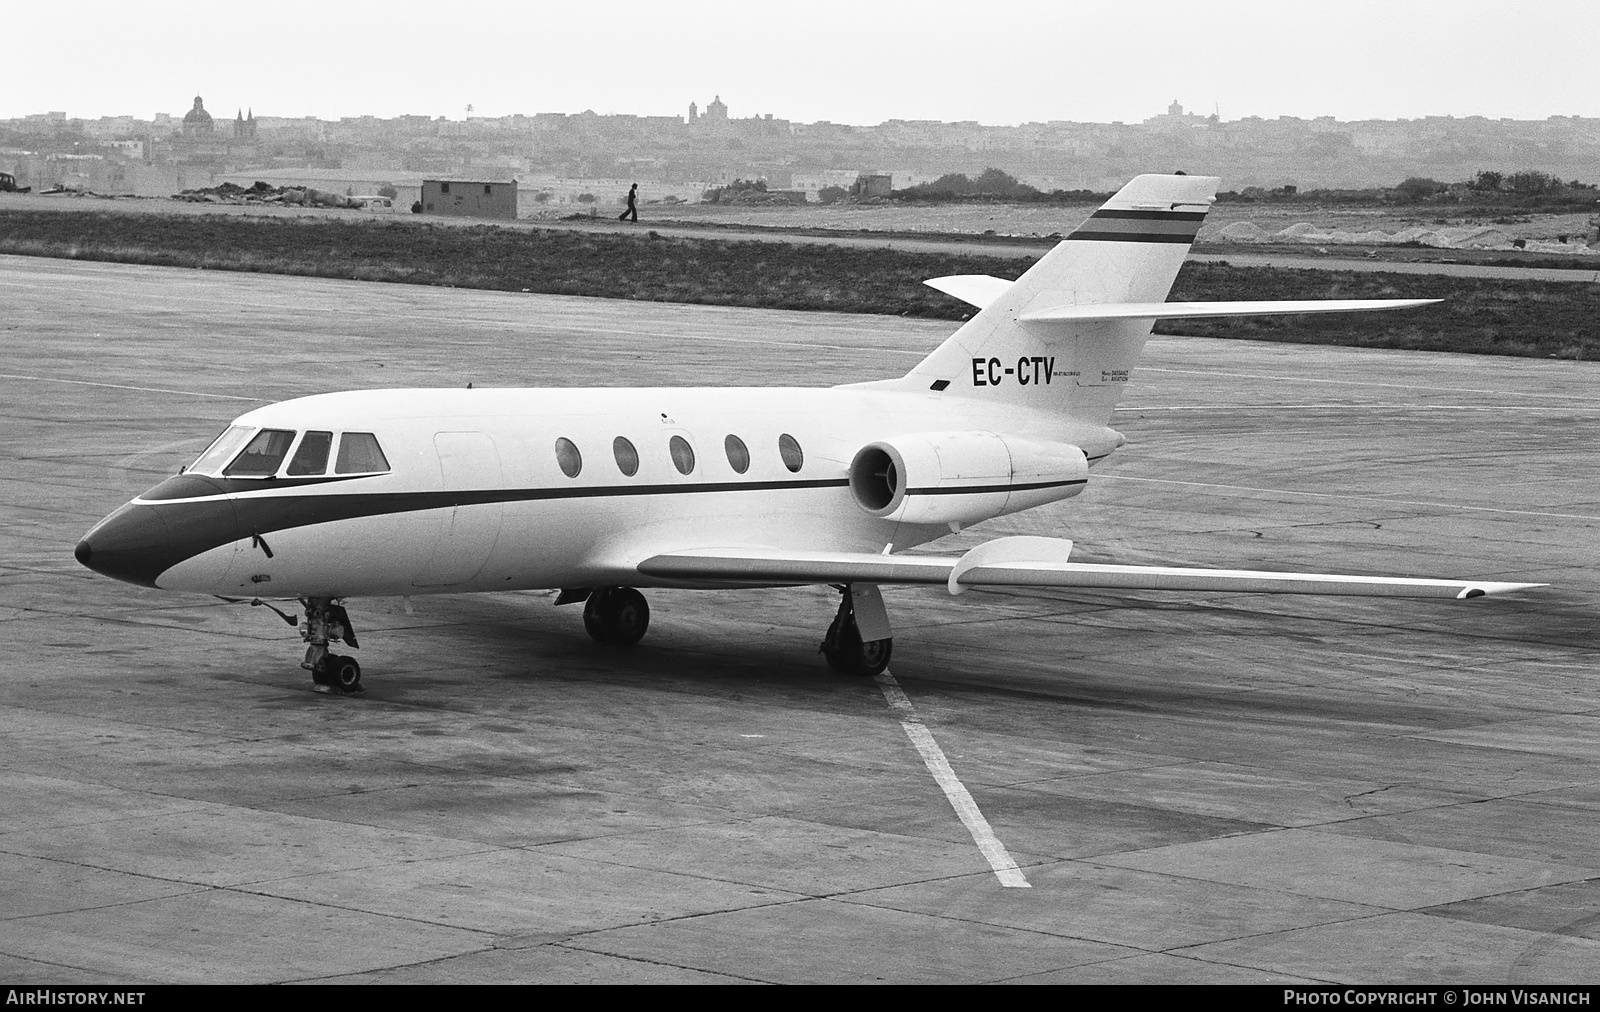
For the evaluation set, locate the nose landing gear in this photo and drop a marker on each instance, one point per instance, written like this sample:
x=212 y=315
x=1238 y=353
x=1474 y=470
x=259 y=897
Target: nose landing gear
x=844 y=647
x=327 y=622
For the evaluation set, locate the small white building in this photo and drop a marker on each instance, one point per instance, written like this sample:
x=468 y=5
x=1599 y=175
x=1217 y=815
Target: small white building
x=471 y=198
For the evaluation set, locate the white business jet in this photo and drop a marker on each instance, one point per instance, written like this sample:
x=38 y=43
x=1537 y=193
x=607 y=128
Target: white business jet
x=598 y=492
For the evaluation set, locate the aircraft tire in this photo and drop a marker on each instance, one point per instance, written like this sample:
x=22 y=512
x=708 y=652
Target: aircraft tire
x=344 y=673
x=848 y=654
x=627 y=615
x=594 y=615
x=616 y=615
x=833 y=645
x=871 y=658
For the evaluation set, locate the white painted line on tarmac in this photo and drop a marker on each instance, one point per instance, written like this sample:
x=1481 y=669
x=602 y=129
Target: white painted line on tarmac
x=1356 y=498
x=124 y=386
x=1005 y=869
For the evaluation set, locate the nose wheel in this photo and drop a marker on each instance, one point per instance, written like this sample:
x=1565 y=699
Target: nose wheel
x=616 y=615
x=327 y=622
x=845 y=650
x=338 y=672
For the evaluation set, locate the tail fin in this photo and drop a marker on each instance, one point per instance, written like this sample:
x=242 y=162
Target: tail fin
x=1128 y=251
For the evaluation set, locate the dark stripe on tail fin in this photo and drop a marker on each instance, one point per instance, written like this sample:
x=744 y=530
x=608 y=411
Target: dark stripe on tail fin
x=1124 y=225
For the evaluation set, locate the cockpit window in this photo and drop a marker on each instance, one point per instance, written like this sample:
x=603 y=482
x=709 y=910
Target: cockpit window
x=312 y=456
x=359 y=453
x=262 y=456
x=222 y=450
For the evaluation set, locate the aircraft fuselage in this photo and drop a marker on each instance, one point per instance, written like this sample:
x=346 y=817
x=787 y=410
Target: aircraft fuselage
x=476 y=496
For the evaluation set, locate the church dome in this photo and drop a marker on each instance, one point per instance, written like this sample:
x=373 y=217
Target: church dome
x=198 y=114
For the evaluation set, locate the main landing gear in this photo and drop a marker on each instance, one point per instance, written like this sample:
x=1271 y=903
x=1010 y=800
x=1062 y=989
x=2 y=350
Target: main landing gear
x=858 y=642
x=327 y=622
x=844 y=648
x=616 y=615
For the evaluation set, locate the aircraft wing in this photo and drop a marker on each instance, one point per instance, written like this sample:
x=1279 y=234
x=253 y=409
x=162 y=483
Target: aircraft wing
x=1028 y=562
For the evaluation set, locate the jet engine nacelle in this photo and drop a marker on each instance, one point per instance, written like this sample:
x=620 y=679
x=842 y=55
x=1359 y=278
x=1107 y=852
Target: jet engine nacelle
x=962 y=477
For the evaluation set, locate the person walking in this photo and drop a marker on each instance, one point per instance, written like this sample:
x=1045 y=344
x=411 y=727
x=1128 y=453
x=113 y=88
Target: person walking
x=633 y=210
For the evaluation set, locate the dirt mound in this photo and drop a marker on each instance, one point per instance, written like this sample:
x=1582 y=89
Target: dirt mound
x=262 y=193
x=1244 y=231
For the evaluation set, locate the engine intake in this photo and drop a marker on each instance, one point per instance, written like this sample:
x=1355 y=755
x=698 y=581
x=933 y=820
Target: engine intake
x=962 y=477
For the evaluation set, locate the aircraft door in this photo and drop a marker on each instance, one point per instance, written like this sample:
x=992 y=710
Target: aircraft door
x=468 y=462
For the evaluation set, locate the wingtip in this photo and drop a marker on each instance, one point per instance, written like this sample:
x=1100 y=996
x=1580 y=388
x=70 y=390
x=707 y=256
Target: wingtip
x=1485 y=589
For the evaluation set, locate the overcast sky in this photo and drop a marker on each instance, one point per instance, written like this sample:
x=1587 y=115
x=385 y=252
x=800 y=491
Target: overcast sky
x=849 y=62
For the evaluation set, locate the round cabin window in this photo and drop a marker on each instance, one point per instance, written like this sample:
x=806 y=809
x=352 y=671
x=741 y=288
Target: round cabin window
x=682 y=454
x=568 y=457
x=627 y=456
x=789 y=450
x=738 y=454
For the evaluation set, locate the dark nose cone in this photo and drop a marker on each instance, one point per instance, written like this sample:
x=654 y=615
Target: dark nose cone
x=131 y=544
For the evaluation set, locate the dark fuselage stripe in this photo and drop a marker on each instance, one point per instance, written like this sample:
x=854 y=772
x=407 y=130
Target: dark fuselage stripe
x=467 y=497
x=265 y=514
x=195 y=486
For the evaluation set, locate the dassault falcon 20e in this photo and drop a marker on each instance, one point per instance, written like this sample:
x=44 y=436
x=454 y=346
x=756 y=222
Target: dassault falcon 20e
x=598 y=492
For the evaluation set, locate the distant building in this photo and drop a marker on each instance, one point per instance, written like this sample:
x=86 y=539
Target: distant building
x=874 y=184
x=717 y=112
x=1176 y=119
x=244 y=129
x=197 y=122
x=813 y=183
x=694 y=112
x=470 y=198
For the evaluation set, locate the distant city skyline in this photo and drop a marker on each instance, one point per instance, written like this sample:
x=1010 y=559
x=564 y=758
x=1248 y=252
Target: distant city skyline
x=839 y=62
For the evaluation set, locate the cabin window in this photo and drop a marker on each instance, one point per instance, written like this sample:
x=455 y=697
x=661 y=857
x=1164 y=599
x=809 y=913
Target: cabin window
x=682 y=454
x=487 y=192
x=222 y=450
x=444 y=187
x=312 y=456
x=568 y=457
x=789 y=450
x=738 y=454
x=359 y=453
x=627 y=456
x=263 y=455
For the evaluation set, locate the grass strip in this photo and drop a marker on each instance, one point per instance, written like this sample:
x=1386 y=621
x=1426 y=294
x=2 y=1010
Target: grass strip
x=1479 y=315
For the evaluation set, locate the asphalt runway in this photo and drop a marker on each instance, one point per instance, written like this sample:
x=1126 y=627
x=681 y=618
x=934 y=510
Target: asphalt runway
x=1195 y=788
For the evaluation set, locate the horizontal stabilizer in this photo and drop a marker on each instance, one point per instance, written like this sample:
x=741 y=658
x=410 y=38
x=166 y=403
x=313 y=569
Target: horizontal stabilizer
x=995 y=564
x=1193 y=310
x=974 y=289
